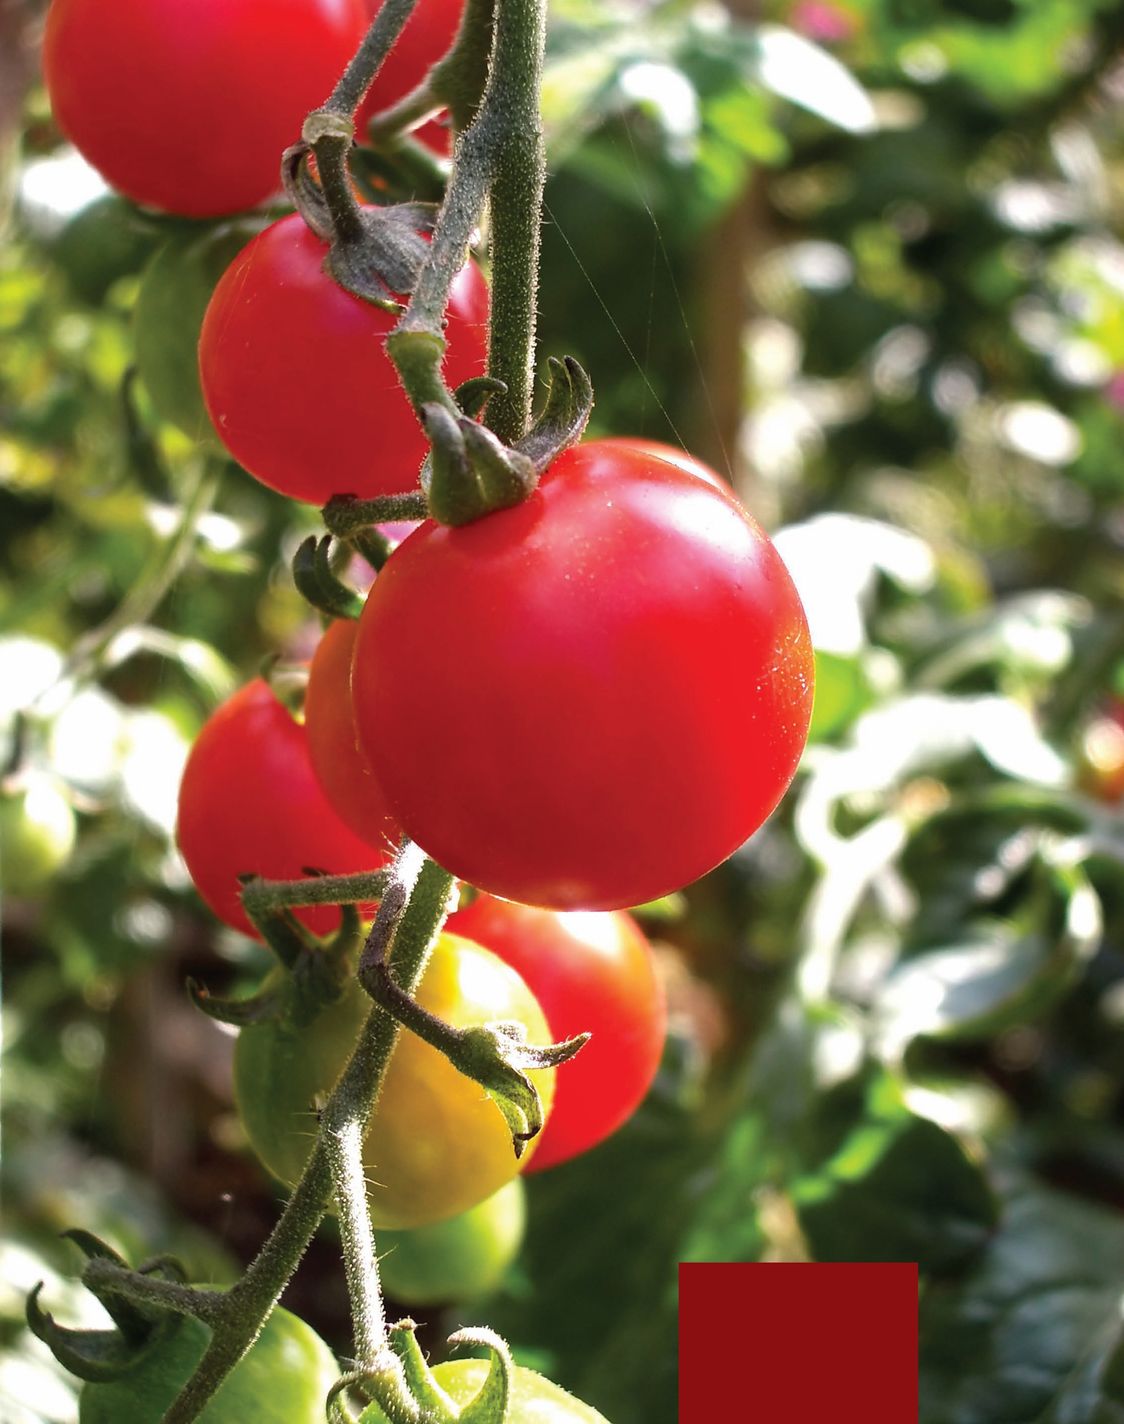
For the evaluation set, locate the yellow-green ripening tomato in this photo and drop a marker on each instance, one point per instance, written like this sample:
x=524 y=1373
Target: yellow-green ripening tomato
x=459 y=1259
x=437 y=1144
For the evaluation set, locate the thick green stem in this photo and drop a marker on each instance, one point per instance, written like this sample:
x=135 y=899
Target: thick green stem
x=501 y=156
x=519 y=175
x=410 y=917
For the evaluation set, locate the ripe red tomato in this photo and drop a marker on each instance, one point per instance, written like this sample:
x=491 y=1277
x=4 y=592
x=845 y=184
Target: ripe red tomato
x=337 y=759
x=250 y=802
x=591 y=973
x=296 y=379
x=187 y=105
x=425 y=38
x=592 y=699
x=672 y=454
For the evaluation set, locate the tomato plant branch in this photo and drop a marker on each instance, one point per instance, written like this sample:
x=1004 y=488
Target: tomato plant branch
x=413 y=909
x=359 y=75
x=105 y=1277
x=455 y=82
x=344 y=515
x=263 y=897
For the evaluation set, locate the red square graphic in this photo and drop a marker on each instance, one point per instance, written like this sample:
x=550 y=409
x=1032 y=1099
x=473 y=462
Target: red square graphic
x=777 y=1343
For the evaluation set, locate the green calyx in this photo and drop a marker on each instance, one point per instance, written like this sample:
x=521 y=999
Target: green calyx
x=99 y=1356
x=313 y=975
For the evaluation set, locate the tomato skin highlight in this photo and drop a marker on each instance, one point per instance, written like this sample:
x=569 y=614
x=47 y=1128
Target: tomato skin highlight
x=592 y=973
x=533 y=1400
x=669 y=454
x=283 y=1379
x=436 y=1145
x=296 y=379
x=632 y=685
x=340 y=765
x=250 y=803
x=187 y=105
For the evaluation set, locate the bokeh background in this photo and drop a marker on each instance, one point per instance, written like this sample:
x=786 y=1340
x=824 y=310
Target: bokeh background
x=864 y=257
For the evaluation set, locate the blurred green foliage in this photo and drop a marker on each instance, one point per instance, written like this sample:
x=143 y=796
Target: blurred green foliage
x=891 y=226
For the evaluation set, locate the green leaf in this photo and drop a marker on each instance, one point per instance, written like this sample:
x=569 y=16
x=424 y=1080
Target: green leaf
x=997 y=977
x=1033 y=1334
x=889 y=1185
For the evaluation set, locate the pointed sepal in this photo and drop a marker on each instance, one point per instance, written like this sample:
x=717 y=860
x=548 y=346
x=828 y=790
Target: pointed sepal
x=471 y=471
x=473 y=395
x=492 y=1405
x=317 y=582
x=266 y=1006
x=96 y=1356
x=434 y=1402
x=569 y=404
x=132 y=1322
x=498 y=1057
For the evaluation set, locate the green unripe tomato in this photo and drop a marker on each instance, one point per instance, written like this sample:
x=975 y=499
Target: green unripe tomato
x=174 y=294
x=282 y=1380
x=37 y=831
x=106 y=240
x=458 y=1259
x=534 y=1399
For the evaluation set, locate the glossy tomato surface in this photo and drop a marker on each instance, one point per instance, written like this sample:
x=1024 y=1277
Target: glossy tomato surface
x=425 y=38
x=250 y=803
x=296 y=379
x=533 y=1400
x=337 y=759
x=670 y=454
x=592 y=973
x=187 y=105
x=284 y=1379
x=437 y=1145
x=592 y=699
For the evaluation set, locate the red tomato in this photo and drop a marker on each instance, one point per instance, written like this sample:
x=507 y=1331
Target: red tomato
x=250 y=802
x=592 y=699
x=337 y=759
x=296 y=379
x=591 y=973
x=670 y=453
x=426 y=37
x=187 y=105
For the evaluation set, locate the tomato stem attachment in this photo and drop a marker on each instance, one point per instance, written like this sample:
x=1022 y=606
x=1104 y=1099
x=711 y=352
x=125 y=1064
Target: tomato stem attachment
x=261 y=897
x=494 y=1055
x=344 y=515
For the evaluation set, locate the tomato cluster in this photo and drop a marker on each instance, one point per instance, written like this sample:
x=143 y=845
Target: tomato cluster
x=575 y=705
